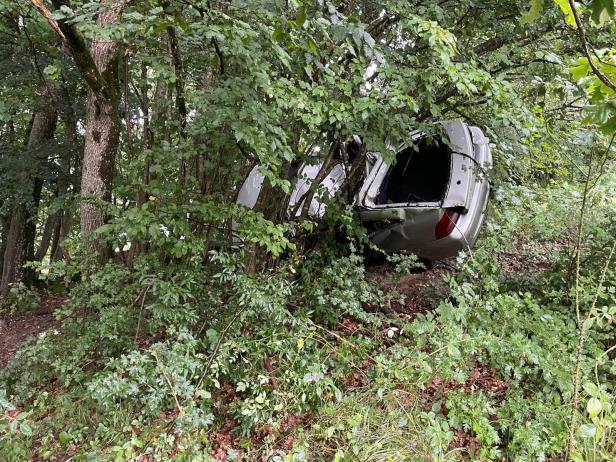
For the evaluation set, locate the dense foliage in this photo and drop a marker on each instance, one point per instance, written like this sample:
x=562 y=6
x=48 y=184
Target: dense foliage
x=198 y=329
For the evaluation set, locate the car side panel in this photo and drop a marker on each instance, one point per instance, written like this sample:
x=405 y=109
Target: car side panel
x=250 y=190
x=328 y=188
x=460 y=183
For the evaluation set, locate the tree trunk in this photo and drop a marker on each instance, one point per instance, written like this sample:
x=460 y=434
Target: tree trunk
x=101 y=143
x=30 y=229
x=101 y=139
x=4 y=229
x=65 y=177
x=22 y=229
x=14 y=255
x=48 y=232
x=138 y=246
x=55 y=239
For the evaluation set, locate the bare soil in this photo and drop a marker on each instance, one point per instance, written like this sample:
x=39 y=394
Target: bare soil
x=16 y=328
x=411 y=294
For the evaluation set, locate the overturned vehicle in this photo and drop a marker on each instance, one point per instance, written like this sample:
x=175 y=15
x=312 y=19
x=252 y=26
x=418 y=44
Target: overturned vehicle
x=431 y=201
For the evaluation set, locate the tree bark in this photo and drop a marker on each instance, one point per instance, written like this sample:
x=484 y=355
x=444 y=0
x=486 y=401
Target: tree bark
x=22 y=228
x=98 y=66
x=14 y=255
x=46 y=238
x=65 y=177
x=101 y=138
x=30 y=228
x=5 y=225
x=55 y=239
x=101 y=144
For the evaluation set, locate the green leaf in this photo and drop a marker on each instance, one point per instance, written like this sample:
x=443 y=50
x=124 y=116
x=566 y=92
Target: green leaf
x=204 y=394
x=64 y=12
x=594 y=407
x=278 y=34
x=581 y=70
x=369 y=40
x=567 y=11
x=52 y=72
x=609 y=127
x=588 y=322
x=536 y=8
x=591 y=389
x=601 y=10
x=587 y=431
x=64 y=438
x=300 y=19
x=26 y=429
x=453 y=351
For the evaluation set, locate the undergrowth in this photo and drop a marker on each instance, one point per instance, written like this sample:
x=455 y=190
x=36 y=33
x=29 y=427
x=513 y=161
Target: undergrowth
x=194 y=362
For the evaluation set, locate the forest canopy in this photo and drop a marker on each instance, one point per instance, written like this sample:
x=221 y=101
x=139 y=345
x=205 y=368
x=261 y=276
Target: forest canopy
x=182 y=325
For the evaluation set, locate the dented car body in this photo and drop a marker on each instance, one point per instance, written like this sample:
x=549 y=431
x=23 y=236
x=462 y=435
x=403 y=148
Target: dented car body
x=431 y=201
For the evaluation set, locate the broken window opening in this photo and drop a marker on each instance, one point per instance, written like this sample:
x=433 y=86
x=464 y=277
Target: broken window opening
x=421 y=173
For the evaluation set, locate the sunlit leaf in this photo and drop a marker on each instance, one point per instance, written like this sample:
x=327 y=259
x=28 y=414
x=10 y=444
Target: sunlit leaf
x=565 y=7
x=594 y=407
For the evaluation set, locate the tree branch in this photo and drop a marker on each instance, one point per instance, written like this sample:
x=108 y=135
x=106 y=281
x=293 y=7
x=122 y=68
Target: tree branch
x=582 y=34
x=221 y=60
x=178 y=66
x=76 y=44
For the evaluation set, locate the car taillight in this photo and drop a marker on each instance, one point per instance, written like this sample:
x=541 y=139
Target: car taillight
x=447 y=223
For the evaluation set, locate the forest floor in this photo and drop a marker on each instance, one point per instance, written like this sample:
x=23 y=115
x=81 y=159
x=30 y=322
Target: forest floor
x=406 y=296
x=16 y=328
x=413 y=294
x=418 y=288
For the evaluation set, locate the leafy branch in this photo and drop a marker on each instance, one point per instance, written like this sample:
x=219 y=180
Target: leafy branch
x=581 y=31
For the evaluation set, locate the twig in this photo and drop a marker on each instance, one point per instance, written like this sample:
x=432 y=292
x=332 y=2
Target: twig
x=144 y=293
x=267 y=363
x=217 y=347
x=580 y=322
x=168 y=380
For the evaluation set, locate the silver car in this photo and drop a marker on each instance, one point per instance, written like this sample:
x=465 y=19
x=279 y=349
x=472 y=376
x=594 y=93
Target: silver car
x=431 y=201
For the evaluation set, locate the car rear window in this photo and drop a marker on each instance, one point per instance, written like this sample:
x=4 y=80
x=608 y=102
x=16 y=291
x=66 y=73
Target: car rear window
x=420 y=174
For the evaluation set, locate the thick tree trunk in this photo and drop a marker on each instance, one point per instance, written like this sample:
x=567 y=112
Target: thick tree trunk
x=22 y=229
x=14 y=255
x=98 y=66
x=101 y=144
x=4 y=230
x=101 y=139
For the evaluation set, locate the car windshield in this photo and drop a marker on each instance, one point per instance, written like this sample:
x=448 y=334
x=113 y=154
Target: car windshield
x=420 y=174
